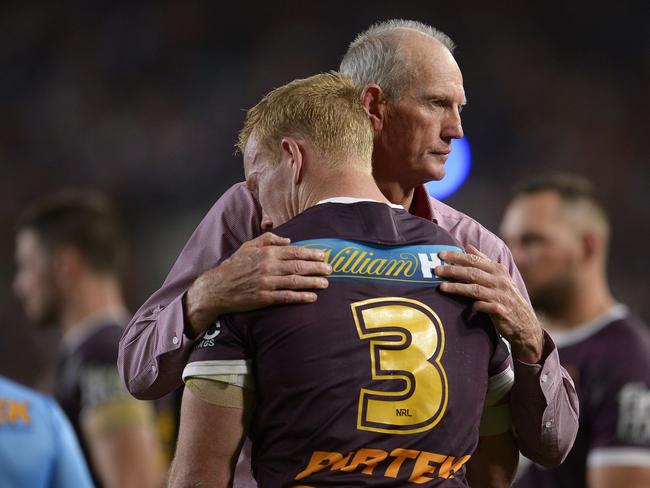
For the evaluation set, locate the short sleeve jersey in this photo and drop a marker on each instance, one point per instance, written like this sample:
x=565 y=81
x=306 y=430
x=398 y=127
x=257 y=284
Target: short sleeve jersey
x=87 y=375
x=609 y=361
x=38 y=448
x=380 y=382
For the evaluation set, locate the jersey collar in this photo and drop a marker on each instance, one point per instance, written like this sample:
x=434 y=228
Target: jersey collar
x=587 y=329
x=349 y=200
x=422 y=204
x=76 y=335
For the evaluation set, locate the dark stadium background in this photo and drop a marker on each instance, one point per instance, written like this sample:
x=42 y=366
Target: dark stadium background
x=143 y=101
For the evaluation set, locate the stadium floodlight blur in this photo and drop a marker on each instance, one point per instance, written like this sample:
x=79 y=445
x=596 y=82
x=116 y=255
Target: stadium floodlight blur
x=457 y=170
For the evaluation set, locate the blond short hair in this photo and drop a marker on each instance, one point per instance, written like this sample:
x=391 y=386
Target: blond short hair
x=325 y=109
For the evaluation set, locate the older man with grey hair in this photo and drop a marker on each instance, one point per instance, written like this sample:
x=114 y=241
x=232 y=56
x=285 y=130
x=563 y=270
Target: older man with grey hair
x=413 y=92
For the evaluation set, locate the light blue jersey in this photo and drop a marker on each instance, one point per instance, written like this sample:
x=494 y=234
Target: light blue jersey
x=38 y=447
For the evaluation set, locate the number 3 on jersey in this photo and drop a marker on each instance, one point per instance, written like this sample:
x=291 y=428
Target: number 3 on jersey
x=404 y=336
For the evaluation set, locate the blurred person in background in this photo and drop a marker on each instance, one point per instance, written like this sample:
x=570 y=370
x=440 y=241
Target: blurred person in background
x=38 y=448
x=559 y=236
x=412 y=89
x=69 y=253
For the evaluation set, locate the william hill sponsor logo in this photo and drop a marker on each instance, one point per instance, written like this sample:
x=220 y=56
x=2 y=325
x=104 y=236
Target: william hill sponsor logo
x=355 y=260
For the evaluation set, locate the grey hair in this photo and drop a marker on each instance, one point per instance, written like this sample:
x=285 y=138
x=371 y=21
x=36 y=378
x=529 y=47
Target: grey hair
x=376 y=57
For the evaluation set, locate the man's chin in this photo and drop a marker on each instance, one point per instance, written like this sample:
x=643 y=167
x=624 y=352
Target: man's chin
x=434 y=172
x=45 y=323
x=552 y=303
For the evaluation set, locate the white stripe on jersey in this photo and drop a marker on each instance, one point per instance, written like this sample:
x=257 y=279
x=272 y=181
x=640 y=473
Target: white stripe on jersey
x=619 y=456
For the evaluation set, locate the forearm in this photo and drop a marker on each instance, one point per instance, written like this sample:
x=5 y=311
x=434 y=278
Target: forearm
x=153 y=350
x=544 y=401
x=494 y=463
x=209 y=442
x=204 y=302
x=156 y=343
x=529 y=346
x=617 y=476
x=154 y=347
x=193 y=476
x=128 y=458
x=544 y=407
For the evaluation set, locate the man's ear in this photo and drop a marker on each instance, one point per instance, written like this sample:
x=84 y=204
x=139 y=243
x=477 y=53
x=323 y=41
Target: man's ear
x=592 y=245
x=373 y=100
x=294 y=151
x=67 y=263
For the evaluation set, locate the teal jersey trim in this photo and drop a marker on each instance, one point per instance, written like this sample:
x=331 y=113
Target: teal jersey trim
x=354 y=260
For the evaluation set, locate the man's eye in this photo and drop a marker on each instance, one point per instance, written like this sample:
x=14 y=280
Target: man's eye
x=532 y=240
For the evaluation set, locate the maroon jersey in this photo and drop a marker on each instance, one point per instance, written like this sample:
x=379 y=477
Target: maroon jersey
x=87 y=373
x=382 y=381
x=609 y=361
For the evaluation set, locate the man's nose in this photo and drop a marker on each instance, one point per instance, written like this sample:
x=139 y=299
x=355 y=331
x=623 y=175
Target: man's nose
x=453 y=127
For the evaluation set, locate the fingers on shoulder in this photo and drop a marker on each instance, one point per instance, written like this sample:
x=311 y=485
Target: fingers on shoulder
x=270 y=239
x=281 y=297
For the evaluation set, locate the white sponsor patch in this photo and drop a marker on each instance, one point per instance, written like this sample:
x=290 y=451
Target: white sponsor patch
x=428 y=262
x=634 y=413
x=210 y=335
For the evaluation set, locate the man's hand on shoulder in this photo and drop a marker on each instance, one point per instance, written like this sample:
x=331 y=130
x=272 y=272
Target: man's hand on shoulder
x=477 y=276
x=264 y=271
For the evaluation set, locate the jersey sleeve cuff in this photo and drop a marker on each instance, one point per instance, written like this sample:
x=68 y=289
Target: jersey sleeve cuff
x=619 y=456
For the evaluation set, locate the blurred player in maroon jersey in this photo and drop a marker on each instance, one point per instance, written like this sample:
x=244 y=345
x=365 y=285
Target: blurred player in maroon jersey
x=69 y=253
x=559 y=234
x=383 y=380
